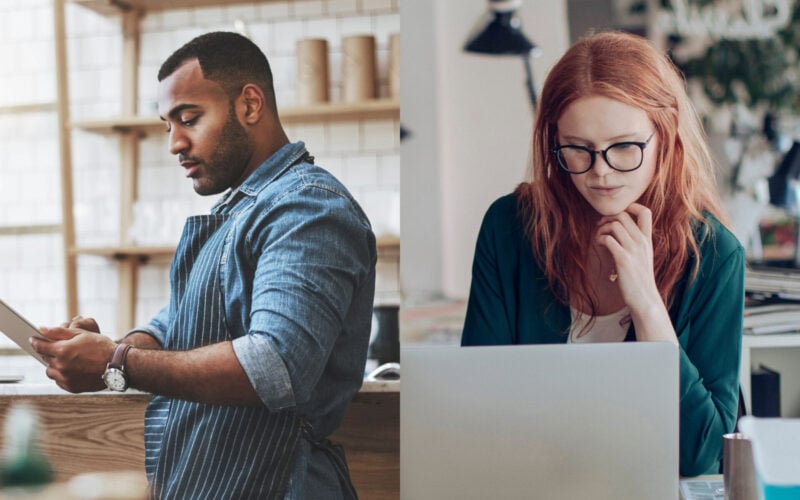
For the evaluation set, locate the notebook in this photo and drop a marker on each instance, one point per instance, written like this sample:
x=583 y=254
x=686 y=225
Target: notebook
x=545 y=421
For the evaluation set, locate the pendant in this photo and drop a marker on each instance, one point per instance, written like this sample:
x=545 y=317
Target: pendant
x=613 y=276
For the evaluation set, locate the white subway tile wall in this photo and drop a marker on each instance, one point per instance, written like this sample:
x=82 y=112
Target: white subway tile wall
x=364 y=155
x=31 y=266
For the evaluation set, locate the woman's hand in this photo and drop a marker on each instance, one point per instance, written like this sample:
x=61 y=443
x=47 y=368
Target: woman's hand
x=628 y=237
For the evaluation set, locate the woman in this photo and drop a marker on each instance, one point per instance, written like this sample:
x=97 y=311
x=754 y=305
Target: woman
x=618 y=235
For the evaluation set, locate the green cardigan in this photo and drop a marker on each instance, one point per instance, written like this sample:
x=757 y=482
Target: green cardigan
x=510 y=302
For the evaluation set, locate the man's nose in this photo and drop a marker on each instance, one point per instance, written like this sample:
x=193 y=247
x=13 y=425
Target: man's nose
x=178 y=142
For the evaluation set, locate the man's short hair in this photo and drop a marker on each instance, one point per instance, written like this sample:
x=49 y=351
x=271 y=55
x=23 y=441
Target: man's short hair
x=227 y=58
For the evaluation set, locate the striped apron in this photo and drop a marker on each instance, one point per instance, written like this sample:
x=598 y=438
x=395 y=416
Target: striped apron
x=195 y=450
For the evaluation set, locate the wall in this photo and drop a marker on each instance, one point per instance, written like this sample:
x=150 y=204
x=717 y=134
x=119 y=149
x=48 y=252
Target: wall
x=31 y=266
x=471 y=122
x=586 y=15
x=363 y=154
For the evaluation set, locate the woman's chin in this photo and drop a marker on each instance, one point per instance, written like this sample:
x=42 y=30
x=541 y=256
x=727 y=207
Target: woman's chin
x=607 y=211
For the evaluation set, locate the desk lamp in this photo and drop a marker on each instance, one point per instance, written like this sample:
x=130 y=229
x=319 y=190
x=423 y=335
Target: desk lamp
x=503 y=36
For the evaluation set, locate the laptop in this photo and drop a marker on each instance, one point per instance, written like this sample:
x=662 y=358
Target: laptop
x=577 y=421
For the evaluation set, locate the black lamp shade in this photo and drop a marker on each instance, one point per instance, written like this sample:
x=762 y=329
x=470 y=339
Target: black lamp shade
x=501 y=36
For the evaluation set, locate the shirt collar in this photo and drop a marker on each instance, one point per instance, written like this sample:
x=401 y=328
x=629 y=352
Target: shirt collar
x=269 y=170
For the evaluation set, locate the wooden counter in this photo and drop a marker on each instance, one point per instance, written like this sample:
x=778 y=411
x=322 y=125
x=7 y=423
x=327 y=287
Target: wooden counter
x=104 y=432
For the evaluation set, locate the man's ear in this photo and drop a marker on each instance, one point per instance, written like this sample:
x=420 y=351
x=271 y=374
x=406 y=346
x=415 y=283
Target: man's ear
x=254 y=105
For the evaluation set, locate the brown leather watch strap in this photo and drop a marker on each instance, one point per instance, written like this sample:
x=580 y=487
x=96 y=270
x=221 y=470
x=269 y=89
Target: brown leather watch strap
x=119 y=356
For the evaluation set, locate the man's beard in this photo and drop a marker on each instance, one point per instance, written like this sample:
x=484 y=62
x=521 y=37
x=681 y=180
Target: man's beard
x=229 y=160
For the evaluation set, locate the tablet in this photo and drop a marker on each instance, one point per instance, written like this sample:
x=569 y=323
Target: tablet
x=10 y=378
x=14 y=326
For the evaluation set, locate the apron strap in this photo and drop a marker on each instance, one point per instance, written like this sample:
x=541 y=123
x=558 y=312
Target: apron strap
x=335 y=453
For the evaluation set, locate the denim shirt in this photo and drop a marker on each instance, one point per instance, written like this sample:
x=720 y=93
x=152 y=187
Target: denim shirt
x=297 y=274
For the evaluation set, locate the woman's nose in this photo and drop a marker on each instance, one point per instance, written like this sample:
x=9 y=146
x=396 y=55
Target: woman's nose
x=601 y=166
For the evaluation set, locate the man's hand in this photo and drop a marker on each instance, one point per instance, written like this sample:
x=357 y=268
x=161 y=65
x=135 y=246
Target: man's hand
x=76 y=358
x=88 y=324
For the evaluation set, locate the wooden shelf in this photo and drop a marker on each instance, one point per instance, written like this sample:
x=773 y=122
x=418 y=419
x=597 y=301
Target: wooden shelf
x=126 y=252
x=379 y=108
x=384 y=243
x=17 y=109
x=30 y=229
x=113 y=7
x=122 y=125
x=387 y=244
x=375 y=109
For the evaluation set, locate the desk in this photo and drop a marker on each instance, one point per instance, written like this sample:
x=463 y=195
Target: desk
x=104 y=432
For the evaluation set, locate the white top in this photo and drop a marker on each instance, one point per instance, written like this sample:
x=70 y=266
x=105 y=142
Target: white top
x=609 y=328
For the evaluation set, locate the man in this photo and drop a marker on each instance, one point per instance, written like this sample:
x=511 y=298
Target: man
x=264 y=341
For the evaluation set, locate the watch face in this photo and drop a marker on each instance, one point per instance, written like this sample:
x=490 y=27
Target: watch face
x=115 y=379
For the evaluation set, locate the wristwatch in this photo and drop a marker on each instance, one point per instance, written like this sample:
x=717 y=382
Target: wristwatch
x=115 y=377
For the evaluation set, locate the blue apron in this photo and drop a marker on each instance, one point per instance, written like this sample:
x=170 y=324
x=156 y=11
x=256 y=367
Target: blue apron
x=196 y=450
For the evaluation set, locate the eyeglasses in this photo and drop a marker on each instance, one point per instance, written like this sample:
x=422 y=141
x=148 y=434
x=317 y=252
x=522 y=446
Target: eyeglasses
x=622 y=156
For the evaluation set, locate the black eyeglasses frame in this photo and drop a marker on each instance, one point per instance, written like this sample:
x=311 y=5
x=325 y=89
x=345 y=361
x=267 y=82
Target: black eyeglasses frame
x=641 y=145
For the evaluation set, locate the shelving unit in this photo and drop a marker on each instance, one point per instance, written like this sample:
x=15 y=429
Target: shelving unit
x=130 y=128
x=783 y=349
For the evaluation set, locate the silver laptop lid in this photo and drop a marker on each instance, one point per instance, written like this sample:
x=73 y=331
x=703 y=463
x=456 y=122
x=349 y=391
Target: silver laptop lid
x=543 y=421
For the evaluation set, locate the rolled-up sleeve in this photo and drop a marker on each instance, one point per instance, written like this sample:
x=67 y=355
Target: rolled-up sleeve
x=157 y=328
x=312 y=252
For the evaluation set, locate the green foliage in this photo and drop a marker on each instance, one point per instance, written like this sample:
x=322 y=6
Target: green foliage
x=754 y=72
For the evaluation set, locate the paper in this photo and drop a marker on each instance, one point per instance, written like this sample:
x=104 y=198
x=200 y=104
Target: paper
x=770 y=319
x=702 y=489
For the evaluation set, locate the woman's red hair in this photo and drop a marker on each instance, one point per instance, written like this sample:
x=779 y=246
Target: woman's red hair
x=558 y=220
